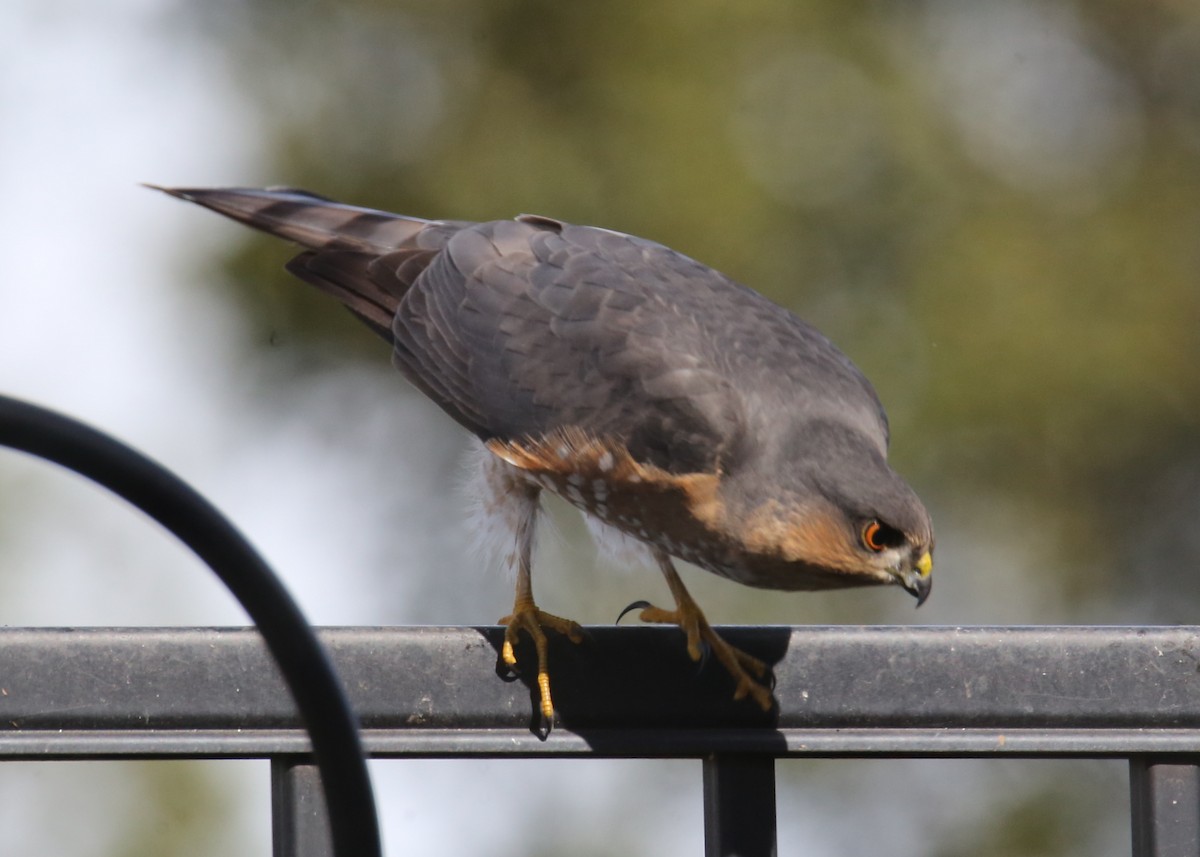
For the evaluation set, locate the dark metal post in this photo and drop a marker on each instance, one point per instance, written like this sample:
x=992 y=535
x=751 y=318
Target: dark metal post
x=739 y=806
x=1165 y=806
x=299 y=820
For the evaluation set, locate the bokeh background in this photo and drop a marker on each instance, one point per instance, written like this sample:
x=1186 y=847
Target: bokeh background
x=992 y=206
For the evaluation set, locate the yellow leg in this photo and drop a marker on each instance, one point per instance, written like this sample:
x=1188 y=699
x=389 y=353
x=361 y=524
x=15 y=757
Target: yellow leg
x=527 y=617
x=688 y=616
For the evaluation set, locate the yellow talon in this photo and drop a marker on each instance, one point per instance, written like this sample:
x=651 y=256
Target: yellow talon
x=527 y=617
x=544 y=690
x=688 y=616
x=744 y=668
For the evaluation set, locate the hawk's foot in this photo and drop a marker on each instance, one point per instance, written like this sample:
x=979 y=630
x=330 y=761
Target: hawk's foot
x=527 y=617
x=739 y=664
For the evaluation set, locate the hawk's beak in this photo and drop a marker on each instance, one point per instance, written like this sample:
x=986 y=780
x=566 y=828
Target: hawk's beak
x=919 y=579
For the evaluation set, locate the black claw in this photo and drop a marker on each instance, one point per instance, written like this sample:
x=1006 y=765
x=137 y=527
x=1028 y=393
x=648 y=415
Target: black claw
x=505 y=672
x=705 y=652
x=544 y=726
x=637 y=605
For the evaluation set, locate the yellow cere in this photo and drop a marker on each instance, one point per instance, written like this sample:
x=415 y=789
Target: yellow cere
x=925 y=564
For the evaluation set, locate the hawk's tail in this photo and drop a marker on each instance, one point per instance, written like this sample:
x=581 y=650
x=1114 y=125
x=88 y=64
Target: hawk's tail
x=366 y=259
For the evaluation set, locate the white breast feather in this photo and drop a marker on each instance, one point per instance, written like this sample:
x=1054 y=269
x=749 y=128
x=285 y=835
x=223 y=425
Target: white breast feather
x=617 y=548
x=495 y=514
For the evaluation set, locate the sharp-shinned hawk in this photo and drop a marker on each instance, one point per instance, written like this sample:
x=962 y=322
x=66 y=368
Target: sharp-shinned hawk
x=655 y=394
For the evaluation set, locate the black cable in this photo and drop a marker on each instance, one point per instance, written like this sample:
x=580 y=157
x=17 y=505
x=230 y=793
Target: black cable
x=302 y=660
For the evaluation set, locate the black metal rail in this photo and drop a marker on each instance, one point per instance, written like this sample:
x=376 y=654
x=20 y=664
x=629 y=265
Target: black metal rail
x=631 y=692
x=352 y=825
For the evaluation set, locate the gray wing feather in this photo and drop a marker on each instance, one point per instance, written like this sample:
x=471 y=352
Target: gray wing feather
x=516 y=328
x=562 y=331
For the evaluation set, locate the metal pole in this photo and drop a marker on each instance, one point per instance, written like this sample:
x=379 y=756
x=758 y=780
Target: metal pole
x=739 y=805
x=1164 y=802
x=299 y=819
x=315 y=686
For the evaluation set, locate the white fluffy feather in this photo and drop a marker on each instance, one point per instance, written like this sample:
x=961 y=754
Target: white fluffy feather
x=495 y=514
x=617 y=548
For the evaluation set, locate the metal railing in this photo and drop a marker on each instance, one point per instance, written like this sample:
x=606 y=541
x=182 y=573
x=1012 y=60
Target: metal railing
x=1064 y=692
x=272 y=693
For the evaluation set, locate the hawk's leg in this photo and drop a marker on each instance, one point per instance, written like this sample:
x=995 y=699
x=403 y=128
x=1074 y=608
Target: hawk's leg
x=688 y=616
x=526 y=615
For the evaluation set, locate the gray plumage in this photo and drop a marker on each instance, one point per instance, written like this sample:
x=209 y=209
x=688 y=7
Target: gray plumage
x=519 y=328
x=657 y=395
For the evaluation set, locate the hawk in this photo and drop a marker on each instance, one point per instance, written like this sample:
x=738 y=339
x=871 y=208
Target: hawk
x=663 y=399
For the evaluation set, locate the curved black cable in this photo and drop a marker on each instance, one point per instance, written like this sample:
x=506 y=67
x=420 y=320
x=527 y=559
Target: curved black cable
x=302 y=660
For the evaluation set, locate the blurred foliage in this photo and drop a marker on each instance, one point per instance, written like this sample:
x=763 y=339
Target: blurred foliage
x=178 y=802
x=992 y=207
x=1043 y=821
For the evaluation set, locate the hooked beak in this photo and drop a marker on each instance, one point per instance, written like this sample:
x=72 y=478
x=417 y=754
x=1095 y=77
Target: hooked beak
x=919 y=578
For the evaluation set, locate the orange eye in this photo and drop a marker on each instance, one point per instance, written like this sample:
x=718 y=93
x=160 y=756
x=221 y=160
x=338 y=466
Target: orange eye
x=873 y=536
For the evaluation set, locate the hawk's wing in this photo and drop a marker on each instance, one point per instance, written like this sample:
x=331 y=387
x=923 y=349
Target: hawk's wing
x=523 y=327
x=519 y=328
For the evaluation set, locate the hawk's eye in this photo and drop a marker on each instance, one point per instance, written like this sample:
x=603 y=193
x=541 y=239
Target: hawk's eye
x=879 y=537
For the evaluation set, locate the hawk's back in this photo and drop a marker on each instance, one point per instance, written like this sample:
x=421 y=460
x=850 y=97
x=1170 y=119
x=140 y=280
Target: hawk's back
x=521 y=327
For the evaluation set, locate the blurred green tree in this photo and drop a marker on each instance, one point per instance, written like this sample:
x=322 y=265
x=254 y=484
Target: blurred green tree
x=991 y=207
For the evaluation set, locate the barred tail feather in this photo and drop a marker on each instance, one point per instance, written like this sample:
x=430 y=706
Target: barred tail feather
x=366 y=259
x=310 y=220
